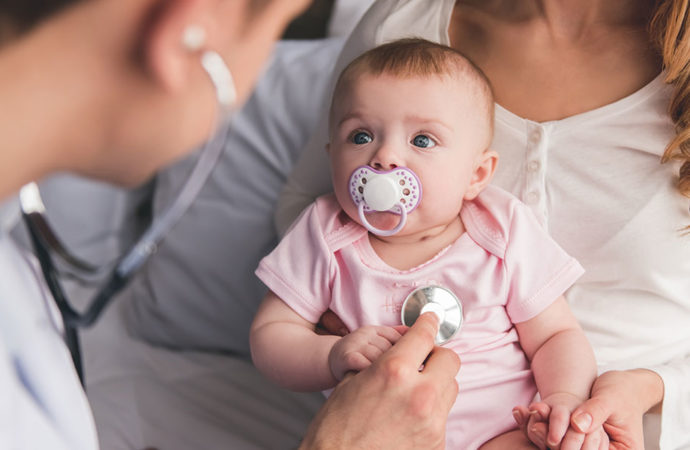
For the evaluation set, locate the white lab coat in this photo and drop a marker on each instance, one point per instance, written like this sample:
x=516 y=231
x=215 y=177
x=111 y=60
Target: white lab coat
x=43 y=405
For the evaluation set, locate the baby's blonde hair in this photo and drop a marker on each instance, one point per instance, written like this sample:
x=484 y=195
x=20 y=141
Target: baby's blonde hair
x=413 y=57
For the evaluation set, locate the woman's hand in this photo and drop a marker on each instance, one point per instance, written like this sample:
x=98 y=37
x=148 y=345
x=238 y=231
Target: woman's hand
x=392 y=404
x=618 y=402
x=549 y=426
x=331 y=324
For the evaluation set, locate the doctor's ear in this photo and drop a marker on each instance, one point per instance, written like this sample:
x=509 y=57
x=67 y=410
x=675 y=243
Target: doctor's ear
x=175 y=28
x=483 y=173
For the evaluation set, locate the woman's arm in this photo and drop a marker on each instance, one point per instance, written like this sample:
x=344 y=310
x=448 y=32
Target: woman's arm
x=287 y=350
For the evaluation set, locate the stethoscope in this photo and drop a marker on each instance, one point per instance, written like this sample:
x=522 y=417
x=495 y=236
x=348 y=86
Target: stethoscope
x=48 y=248
x=399 y=191
x=439 y=300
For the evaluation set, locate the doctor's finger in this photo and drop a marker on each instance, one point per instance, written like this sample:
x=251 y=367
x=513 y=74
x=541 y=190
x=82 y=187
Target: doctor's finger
x=559 y=422
x=442 y=364
x=416 y=344
x=439 y=374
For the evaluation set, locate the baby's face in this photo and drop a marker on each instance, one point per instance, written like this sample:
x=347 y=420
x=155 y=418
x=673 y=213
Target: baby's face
x=432 y=125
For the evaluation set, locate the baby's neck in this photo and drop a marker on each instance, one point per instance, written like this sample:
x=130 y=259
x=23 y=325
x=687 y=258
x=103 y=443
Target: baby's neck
x=408 y=252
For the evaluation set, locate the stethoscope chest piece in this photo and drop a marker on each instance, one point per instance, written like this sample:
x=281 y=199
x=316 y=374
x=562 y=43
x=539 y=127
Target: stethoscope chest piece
x=442 y=302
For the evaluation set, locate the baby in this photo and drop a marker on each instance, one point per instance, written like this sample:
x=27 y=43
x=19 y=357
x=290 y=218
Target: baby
x=410 y=128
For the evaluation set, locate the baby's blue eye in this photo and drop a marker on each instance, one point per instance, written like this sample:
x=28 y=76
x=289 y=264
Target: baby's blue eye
x=361 y=138
x=423 y=141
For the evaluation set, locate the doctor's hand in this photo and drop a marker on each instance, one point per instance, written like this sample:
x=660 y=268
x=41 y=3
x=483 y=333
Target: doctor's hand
x=392 y=404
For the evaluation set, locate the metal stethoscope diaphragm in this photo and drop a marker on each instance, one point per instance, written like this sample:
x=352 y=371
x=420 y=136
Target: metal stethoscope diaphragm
x=439 y=300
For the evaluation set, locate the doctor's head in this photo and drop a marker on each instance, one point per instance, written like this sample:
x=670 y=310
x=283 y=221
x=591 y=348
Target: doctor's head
x=419 y=105
x=132 y=71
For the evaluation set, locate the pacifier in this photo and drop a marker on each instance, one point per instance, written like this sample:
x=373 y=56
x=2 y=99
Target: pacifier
x=397 y=191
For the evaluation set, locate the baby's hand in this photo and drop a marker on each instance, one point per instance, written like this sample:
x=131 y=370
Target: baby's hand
x=547 y=424
x=357 y=350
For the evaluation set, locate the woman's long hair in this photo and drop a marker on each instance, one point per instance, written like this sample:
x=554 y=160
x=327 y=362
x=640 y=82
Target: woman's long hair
x=670 y=31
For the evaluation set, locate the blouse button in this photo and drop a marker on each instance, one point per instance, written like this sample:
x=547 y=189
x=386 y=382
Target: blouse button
x=532 y=198
x=533 y=166
x=536 y=136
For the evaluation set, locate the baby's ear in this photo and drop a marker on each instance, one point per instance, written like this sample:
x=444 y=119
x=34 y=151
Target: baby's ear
x=484 y=169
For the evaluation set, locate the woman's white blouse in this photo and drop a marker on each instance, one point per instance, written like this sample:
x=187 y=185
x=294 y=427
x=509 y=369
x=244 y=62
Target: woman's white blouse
x=596 y=182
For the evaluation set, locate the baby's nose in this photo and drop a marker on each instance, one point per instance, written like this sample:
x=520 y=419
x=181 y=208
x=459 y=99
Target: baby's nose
x=386 y=158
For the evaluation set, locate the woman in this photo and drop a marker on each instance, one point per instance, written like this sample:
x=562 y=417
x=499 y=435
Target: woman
x=114 y=89
x=581 y=125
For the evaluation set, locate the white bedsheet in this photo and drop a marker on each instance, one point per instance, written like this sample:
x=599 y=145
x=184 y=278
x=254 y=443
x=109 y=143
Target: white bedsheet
x=144 y=396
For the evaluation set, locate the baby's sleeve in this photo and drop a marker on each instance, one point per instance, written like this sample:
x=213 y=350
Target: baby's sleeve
x=538 y=270
x=299 y=269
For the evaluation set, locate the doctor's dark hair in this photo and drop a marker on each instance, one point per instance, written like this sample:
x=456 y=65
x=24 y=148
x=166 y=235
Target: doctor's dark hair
x=413 y=57
x=18 y=16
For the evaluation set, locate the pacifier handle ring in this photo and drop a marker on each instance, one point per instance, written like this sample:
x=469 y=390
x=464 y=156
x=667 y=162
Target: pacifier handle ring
x=379 y=232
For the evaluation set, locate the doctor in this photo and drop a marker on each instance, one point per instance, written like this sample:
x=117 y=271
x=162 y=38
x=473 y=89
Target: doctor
x=114 y=89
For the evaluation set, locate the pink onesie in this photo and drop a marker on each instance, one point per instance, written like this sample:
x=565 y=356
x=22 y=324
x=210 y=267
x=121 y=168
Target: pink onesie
x=505 y=269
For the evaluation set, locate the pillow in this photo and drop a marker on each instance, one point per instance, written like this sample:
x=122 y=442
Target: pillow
x=199 y=291
x=346 y=15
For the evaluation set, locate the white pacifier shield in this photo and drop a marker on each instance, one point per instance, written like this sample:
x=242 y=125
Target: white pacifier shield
x=397 y=191
x=381 y=194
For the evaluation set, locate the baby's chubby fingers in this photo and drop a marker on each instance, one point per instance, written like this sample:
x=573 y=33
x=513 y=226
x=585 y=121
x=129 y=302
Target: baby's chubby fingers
x=353 y=361
x=380 y=337
x=559 y=422
x=391 y=334
x=357 y=350
x=539 y=411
